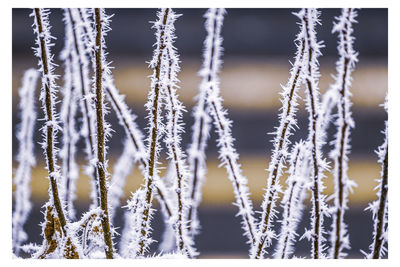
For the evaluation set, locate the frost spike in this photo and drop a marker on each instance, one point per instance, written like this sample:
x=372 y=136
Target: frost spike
x=343 y=185
x=26 y=158
x=281 y=143
x=227 y=152
x=47 y=96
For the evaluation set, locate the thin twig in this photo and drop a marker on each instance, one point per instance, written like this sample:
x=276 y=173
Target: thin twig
x=100 y=137
x=48 y=89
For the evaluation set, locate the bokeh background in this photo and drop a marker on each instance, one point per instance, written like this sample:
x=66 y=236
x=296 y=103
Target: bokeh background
x=258 y=44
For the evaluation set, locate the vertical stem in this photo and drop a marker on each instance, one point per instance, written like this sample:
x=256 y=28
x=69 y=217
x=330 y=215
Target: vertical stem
x=345 y=66
x=278 y=157
x=119 y=110
x=201 y=126
x=50 y=130
x=382 y=207
x=173 y=130
x=315 y=133
x=343 y=139
x=85 y=111
x=153 y=143
x=100 y=138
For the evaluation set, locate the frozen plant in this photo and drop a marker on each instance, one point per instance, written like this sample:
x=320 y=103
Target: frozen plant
x=101 y=68
x=155 y=128
x=83 y=49
x=131 y=234
x=344 y=122
x=56 y=244
x=202 y=121
x=281 y=142
x=26 y=158
x=41 y=28
x=174 y=128
x=309 y=18
x=70 y=171
x=126 y=119
x=89 y=229
x=379 y=208
x=137 y=149
x=292 y=202
x=227 y=152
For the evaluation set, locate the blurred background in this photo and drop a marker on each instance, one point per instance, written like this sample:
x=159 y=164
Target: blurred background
x=258 y=44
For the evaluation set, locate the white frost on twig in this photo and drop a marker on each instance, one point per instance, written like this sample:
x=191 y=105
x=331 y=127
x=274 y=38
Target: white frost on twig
x=155 y=130
x=227 y=152
x=292 y=202
x=174 y=129
x=25 y=158
x=316 y=135
x=379 y=208
x=202 y=121
x=344 y=122
x=70 y=171
x=281 y=142
x=84 y=40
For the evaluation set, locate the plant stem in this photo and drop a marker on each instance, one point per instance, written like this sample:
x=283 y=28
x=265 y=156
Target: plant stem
x=239 y=187
x=343 y=130
x=379 y=226
x=50 y=131
x=100 y=137
x=313 y=138
x=135 y=140
x=281 y=142
x=201 y=126
x=85 y=112
x=153 y=143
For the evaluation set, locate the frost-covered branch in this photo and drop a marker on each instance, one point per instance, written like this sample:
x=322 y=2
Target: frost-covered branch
x=379 y=208
x=41 y=28
x=100 y=68
x=125 y=117
x=135 y=137
x=202 y=121
x=155 y=130
x=309 y=18
x=287 y=121
x=343 y=185
x=292 y=202
x=131 y=234
x=174 y=128
x=25 y=158
x=83 y=49
x=70 y=170
x=227 y=152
